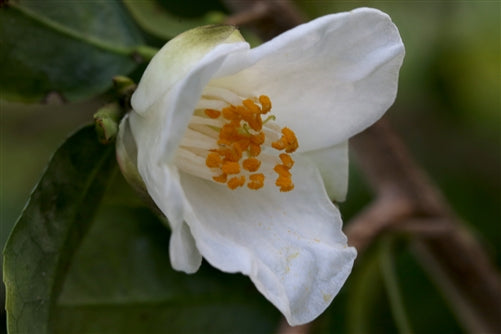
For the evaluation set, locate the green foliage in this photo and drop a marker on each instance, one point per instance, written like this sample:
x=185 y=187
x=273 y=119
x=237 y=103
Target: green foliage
x=121 y=281
x=86 y=256
x=42 y=243
x=69 y=48
x=117 y=277
x=158 y=21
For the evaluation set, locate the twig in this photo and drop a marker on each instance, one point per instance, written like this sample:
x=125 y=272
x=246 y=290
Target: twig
x=258 y=11
x=383 y=213
x=279 y=16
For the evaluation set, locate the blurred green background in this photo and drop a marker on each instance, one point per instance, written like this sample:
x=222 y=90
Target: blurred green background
x=448 y=112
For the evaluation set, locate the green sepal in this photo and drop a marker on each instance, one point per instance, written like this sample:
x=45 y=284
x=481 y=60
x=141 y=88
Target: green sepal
x=106 y=121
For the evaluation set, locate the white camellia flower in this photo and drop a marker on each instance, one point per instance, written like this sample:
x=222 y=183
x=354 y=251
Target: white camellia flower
x=244 y=149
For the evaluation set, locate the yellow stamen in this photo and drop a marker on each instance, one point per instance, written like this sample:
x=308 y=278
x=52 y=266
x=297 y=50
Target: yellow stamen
x=230 y=113
x=278 y=145
x=287 y=142
x=213 y=160
x=221 y=178
x=241 y=133
x=254 y=150
x=235 y=182
x=265 y=104
x=251 y=106
x=258 y=139
x=230 y=167
x=255 y=122
x=212 y=113
x=286 y=160
x=285 y=183
x=251 y=164
x=290 y=139
x=282 y=171
x=256 y=181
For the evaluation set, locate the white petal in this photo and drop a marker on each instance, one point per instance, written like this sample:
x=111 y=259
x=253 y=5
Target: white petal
x=334 y=168
x=164 y=188
x=177 y=58
x=184 y=255
x=162 y=183
x=158 y=132
x=327 y=79
x=290 y=244
x=159 y=129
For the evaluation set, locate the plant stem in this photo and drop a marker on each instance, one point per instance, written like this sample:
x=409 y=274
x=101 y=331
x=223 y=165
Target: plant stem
x=392 y=288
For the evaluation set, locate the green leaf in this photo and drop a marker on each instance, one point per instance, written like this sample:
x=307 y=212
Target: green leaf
x=156 y=20
x=71 y=48
x=58 y=214
x=121 y=281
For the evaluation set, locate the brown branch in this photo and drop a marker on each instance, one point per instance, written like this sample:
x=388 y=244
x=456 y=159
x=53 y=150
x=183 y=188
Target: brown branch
x=258 y=11
x=383 y=213
x=452 y=255
x=281 y=15
x=406 y=200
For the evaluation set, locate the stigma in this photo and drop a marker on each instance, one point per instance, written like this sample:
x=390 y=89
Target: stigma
x=235 y=141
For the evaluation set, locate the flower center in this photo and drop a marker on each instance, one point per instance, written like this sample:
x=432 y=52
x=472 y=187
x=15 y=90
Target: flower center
x=234 y=140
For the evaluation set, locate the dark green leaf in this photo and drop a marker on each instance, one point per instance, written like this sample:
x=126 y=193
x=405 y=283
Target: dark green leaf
x=156 y=20
x=121 y=281
x=70 y=48
x=59 y=212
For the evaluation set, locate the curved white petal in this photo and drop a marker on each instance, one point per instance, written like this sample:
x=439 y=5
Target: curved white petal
x=159 y=129
x=157 y=132
x=334 y=168
x=184 y=254
x=290 y=244
x=177 y=58
x=327 y=79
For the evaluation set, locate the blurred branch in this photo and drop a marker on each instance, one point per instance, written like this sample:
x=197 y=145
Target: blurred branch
x=406 y=200
x=450 y=253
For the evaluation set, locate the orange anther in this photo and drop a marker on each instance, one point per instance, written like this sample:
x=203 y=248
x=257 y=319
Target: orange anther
x=213 y=160
x=281 y=170
x=254 y=150
x=242 y=132
x=251 y=164
x=221 y=178
x=243 y=144
x=255 y=122
x=228 y=131
x=285 y=183
x=279 y=144
x=230 y=167
x=235 y=182
x=290 y=138
x=256 y=181
x=286 y=160
x=230 y=113
x=212 y=113
x=258 y=139
x=251 y=106
x=228 y=154
x=265 y=103
x=242 y=111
